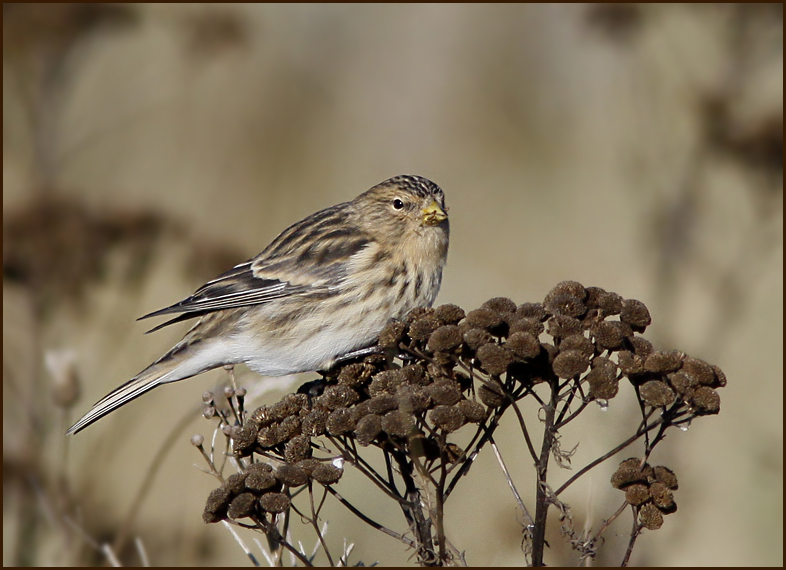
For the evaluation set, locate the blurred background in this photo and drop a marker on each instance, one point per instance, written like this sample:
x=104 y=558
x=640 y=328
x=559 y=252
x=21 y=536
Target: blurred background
x=147 y=148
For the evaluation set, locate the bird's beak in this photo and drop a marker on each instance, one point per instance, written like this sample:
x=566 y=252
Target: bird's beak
x=433 y=214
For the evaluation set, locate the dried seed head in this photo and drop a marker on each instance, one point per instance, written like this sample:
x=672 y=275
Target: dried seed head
x=495 y=359
x=663 y=362
x=666 y=476
x=488 y=320
x=657 y=394
x=382 y=404
x=661 y=495
x=235 y=483
x=532 y=310
x=445 y=338
x=290 y=475
x=314 y=423
x=570 y=363
x=641 y=346
x=636 y=494
x=274 y=502
x=388 y=381
x=629 y=471
x=447 y=418
x=338 y=396
x=602 y=379
x=650 y=516
x=422 y=328
x=259 y=480
x=636 y=314
x=699 y=371
x=449 y=314
x=525 y=324
x=398 y=423
x=412 y=399
x=705 y=401
x=340 y=421
x=562 y=326
x=354 y=374
x=414 y=374
x=444 y=392
x=578 y=342
x=368 y=428
x=473 y=411
x=682 y=383
x=607 y=335
x=289 y=428
x=290 y=405
x=217 y=505
x=523 y=345
x=565 y=304
x=242 y=506
x=491 y=395
x=631 y=364
x=297 y=448
x=720 y=377
x=573 y=288
x=607 y=301
x=392 y=335
x=245 y=440
x=327 y=474
x=500 y=305
x=476 y=337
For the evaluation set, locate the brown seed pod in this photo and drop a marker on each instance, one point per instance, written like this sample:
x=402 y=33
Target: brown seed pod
x=570 y=363
x=532 y=310
x=242 y=506
x=444 y=392
x=500 y=305
x=657 y=394
x=636 y=314
x=663 y=362
x=488 y=320
x=274 y=502
x=494 y=358
x=340 y=421
x=523 y=345
x=491 y=395
x=444 y=339
x=650 y=516
x=398 y=423
x=290 y=475
x=705 y=401
x=473 y=411
x=449 y=314
x=636 y=494
x=327 y=474
x=297 y=448
x=368 y=428
x=447 y=418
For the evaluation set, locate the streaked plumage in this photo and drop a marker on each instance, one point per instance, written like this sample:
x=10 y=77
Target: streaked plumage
x=326 y=286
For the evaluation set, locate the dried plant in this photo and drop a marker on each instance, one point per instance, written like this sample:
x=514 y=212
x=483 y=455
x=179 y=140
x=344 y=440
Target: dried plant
x=444 y=371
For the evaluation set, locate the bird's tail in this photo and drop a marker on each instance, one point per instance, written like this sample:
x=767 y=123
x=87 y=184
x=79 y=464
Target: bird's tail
x=177 y=364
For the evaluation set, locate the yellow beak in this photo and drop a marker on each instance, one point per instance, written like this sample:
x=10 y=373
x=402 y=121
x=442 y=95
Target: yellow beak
x=433 y=214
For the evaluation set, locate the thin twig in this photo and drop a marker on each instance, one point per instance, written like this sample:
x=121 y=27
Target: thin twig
x=367 y=520
x=509 y=479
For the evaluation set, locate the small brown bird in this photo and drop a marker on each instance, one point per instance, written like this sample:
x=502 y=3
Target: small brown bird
x=324 y=288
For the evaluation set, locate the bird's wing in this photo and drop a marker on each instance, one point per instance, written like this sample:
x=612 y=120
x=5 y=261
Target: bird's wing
x=311 y=257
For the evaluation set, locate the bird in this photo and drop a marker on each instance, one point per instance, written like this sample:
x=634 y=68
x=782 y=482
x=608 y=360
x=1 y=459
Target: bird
x=320 y=292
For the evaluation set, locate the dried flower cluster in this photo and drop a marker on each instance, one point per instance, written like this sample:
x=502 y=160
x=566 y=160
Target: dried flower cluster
x=442 y=369
x=648 y=489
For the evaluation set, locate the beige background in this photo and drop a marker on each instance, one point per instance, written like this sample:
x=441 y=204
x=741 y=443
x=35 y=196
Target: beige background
x=634 y=148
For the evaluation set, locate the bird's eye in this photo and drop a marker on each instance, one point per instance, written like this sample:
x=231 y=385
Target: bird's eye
x=398 y=204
